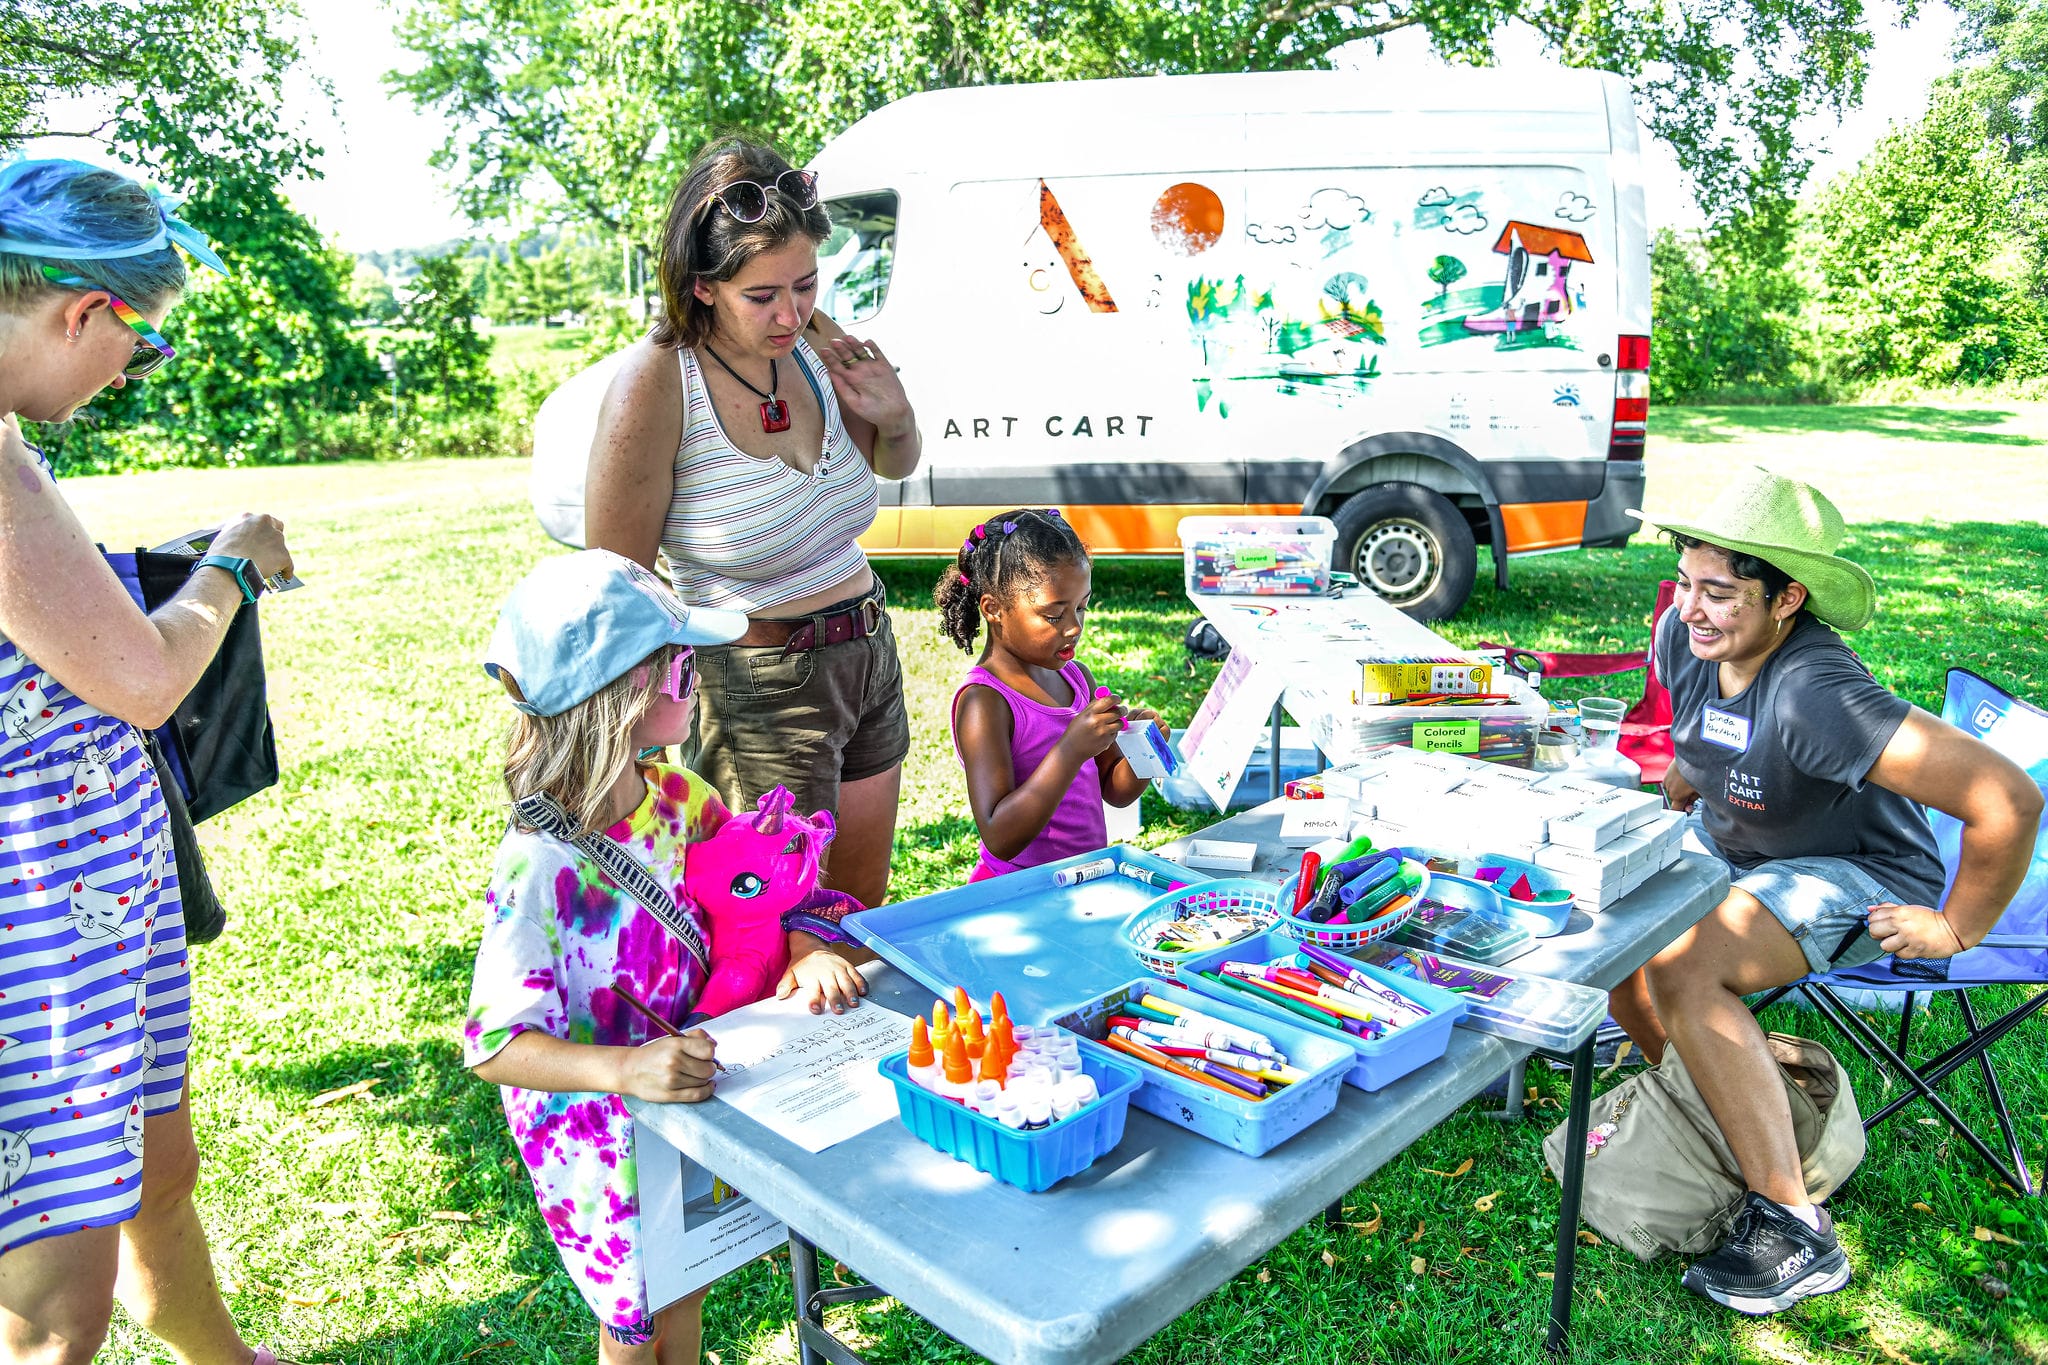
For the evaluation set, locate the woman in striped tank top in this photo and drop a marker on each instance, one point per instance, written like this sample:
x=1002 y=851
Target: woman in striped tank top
x=97 y=1160
x=742 y=441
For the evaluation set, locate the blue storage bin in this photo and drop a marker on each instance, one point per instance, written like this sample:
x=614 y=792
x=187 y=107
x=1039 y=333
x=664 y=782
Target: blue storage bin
x=1253 y=1127
x=1031 y=1161
x=1376 y=1061
x=1542 y=920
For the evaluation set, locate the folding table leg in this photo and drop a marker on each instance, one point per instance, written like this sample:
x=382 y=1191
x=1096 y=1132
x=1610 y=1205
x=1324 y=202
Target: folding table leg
x=1578 y=1117
x=1518 y=1079
x=815 y=1344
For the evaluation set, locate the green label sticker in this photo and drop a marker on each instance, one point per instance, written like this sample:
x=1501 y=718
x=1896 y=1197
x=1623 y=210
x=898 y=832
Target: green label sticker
x=1256 y=557
x=1446 y=736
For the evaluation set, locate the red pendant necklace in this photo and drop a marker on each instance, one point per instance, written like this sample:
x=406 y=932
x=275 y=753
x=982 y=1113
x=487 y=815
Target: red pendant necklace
x=774 y=412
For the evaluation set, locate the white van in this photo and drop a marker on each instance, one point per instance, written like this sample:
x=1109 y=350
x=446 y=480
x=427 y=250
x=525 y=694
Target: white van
x=1418 y=305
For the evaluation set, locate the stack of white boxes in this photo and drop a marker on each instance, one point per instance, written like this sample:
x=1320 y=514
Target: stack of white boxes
x=1600 y=841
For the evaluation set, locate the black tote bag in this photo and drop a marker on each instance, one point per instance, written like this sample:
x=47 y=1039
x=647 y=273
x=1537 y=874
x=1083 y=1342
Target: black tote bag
x=219 y=744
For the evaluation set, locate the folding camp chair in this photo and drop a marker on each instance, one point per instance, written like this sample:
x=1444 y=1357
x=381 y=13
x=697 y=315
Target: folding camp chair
x=2015 y=952
x=1646 y=729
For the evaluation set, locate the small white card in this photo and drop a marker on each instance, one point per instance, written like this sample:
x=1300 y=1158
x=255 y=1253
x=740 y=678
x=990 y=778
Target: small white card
x=1725 y=728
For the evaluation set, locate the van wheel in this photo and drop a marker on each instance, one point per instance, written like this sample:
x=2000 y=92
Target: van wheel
x=1409 y=545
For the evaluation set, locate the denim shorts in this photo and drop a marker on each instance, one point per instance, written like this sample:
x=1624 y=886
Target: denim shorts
x=1824 y=903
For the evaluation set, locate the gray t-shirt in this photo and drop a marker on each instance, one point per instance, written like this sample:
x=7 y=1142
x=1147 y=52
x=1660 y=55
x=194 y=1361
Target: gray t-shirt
x=1780 y=766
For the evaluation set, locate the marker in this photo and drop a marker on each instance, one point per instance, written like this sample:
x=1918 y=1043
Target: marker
x=1166 y=1063
x=1086 y=872
x=1196 y=1019
x=1102 y=692
x=1243 y=987
x=1149 y=877
x=1367 y=880
x=1305 y=879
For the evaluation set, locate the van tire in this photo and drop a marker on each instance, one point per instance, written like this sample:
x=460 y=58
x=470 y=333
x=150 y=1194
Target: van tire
x=1409 y=545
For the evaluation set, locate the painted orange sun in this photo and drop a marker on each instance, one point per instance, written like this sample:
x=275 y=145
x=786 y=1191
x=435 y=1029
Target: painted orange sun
x=1187 y=219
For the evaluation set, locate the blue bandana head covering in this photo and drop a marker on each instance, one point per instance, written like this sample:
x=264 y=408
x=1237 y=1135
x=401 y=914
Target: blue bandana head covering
x=38 y=219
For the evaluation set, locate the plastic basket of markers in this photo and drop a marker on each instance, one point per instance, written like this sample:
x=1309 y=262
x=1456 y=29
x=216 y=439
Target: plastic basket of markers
x=1380 y=901
x=1197 y=918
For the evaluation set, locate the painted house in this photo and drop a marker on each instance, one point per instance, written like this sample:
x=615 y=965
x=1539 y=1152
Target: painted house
x=1538 y=289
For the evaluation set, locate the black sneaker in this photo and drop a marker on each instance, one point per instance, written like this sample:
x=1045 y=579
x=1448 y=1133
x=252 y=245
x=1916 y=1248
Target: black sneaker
x=1770 y=1261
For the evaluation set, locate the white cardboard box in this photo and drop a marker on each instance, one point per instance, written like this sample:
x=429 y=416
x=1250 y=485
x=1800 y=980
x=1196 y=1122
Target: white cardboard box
x=1575 y=786
x=1637 y=808
x=1589 y=827
x=1306 y=823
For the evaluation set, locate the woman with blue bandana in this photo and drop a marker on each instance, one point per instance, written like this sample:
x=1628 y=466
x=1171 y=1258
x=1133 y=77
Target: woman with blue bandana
x=97 y=1159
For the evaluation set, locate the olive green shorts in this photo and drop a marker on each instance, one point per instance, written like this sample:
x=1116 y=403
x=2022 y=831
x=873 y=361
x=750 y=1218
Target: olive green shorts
x=808 y=721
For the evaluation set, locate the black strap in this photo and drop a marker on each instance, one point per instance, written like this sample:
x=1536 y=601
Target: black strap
x=542 y=812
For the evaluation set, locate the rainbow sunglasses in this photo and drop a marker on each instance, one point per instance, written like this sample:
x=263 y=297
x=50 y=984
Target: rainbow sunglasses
x=153 y=350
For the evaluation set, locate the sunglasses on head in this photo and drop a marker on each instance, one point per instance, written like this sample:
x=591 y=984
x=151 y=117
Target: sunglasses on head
x=747 y=200
x=151 y=352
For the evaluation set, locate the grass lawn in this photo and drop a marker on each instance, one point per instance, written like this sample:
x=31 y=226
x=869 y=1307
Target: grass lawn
x=396 y=1226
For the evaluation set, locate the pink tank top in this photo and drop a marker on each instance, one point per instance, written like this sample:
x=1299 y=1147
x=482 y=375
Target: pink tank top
x=1077 y=824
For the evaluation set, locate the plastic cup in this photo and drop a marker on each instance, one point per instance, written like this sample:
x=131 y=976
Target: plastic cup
x=1600 y=718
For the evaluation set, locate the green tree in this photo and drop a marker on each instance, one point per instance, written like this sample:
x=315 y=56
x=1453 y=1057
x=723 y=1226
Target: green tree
x=441 y=354
x=370 y=294
x=591 y=109
x=1920 y=257
x=2008 y=82
x=192 y=89
x=1723 y=321
x=1444 y=272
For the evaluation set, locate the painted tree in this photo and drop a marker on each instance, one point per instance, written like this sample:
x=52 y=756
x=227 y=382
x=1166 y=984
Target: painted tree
x=1444 y=272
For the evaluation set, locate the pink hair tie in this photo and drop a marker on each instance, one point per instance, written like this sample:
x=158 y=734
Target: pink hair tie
x=965 y=579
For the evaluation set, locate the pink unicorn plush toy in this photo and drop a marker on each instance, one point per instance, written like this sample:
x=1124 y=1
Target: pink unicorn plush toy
x=758 y=867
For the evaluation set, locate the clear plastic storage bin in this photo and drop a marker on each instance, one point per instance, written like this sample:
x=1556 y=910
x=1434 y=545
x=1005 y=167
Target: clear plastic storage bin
x=1258 y=556
x=1504 y=733
x=1538 y=1010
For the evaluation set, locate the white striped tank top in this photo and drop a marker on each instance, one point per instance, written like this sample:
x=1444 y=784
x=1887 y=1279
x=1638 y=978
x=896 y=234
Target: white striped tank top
x=748 y=533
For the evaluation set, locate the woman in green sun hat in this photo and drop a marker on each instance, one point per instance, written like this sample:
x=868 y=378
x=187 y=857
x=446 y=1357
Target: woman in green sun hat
x=1808 y=779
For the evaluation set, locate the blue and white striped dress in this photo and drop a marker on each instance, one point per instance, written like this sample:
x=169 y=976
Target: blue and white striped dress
x=95 y=982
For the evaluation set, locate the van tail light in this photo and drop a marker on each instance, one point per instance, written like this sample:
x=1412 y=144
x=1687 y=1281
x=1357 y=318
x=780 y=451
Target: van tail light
x=1631 y=399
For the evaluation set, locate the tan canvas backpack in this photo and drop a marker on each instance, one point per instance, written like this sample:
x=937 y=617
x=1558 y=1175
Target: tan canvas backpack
x=1659 y=1175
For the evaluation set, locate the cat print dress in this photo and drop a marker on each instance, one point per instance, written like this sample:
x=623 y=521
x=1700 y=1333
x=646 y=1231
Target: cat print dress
x=94 y=977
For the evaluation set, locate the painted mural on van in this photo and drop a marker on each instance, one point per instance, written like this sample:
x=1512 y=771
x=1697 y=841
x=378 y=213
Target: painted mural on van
x=1286 y=285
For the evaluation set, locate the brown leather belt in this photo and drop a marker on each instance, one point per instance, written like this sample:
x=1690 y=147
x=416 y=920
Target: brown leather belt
x=857 y=622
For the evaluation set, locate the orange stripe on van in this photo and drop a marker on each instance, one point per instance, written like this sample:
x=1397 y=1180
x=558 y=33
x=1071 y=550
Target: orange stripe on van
x=1543 y=525
x=1107 y=529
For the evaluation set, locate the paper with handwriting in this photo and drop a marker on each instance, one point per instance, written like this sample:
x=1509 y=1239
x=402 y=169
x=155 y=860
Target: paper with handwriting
x=810 y=1078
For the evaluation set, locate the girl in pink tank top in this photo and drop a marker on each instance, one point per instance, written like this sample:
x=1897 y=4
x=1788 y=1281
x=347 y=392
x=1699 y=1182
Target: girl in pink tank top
x=1038 y=745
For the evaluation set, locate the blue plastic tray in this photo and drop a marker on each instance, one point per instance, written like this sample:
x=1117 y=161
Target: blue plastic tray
x=1042 y=945
x=1030 y=1161
x=1378 y=1061
x=1542 y=921
x=1253 y=1127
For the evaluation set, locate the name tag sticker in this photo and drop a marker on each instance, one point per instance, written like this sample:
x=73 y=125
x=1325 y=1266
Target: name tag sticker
x=1726 y=729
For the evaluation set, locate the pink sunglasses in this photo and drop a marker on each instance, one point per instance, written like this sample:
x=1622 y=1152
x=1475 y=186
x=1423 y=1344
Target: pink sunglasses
x=682 y=677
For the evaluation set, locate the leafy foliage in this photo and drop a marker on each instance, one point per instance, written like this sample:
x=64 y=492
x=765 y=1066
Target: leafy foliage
x=442 y=356
x=1922 y=268
x=588 y=112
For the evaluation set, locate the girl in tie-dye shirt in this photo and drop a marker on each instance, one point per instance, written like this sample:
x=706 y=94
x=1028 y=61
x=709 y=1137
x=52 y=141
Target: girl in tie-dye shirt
x=597 y=656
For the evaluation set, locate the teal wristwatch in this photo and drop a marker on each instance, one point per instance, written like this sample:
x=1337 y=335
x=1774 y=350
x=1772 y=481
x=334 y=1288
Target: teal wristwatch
x=243 y=571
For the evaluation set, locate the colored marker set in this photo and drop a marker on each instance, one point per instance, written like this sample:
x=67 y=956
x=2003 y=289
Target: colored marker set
x=1321 y=987
x=1388 y=1026
x=1361 y=884
x=1242 y=1063
x=1258 y=556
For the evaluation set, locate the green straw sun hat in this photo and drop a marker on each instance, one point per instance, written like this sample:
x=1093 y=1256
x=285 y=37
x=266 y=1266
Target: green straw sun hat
x=1793 y=527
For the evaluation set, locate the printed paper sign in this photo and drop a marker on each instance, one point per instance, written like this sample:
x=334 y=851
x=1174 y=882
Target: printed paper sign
x=1446 y=736
x=695 y=1226
x=1220 y=739
x=809 y=1077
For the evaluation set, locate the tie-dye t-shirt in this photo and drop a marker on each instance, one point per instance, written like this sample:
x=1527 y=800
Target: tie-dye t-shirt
x=557 y=933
